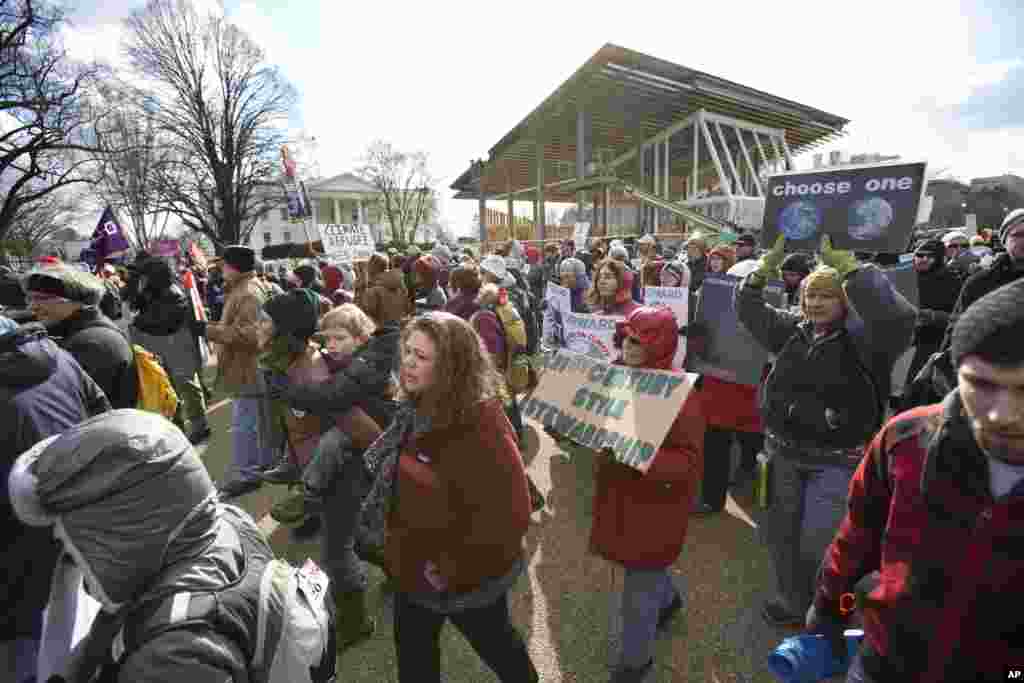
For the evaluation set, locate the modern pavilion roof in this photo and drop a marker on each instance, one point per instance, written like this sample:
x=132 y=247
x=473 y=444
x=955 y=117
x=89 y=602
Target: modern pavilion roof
x=630 y=97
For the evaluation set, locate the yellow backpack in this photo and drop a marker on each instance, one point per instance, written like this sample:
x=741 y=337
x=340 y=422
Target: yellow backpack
x=156 y=392
x=519 y=370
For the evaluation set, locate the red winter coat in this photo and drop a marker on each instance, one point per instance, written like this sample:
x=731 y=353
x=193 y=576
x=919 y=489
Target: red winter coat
x=640 y=520
x=937 y=562
x=462 y=503
x=731 y=406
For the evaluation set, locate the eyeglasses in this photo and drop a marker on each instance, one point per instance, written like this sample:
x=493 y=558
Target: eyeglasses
x=35 y=299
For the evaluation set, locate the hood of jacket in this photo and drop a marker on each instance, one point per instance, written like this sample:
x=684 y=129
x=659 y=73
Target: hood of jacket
x=27 y=357
x=391 y=280
x=134 y=467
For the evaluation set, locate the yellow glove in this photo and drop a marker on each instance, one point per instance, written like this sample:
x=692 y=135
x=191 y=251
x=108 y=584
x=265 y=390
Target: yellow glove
x=844 y=262
x=770 y=262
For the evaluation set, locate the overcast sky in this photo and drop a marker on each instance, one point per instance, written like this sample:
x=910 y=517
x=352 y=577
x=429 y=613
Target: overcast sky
x=933 y=79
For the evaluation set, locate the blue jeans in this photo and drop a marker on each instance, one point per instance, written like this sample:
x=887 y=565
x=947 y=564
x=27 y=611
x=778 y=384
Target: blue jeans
x=808 y=503
x=20 y=657
x=645 y=592
x=251 y=452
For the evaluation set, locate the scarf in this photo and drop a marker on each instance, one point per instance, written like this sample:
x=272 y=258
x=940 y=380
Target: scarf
x=381 y=462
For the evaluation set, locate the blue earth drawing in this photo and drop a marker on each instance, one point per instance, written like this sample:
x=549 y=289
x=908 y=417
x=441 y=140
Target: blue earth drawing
x=799 y=220
x=869 y=218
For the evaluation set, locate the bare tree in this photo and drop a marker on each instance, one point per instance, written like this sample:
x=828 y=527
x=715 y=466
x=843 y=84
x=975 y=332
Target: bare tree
x=407 y=196
x=42 y=117
x=132 y=152
x=42 y=220
x=222 y=108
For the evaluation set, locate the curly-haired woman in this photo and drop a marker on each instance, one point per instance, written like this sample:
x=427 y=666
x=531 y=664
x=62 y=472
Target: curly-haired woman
x=451 y=492
x=612 y=290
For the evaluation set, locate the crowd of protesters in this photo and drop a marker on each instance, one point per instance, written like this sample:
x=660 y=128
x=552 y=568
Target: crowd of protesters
x=388 y=395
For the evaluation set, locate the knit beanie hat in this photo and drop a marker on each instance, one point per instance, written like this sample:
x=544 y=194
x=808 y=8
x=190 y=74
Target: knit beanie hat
x=572 y=265
x=795 y=263
x=619 y=253
x=825 y=280
x=1014 y=218
x=240 y=257
x=295 y=313
x=992 y=327
x=307 y=274
x=933 y=248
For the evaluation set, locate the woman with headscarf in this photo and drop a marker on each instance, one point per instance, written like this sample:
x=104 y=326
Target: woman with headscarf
x=450 y=503
x=640 y=519
x=822 y=401
x=611 y=293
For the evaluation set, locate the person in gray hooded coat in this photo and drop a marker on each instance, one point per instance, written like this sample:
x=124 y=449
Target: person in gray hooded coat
x=136 y=512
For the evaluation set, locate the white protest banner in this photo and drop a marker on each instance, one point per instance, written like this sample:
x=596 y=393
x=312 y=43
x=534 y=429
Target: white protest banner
x=599 y=405
x=347 y=243
x=581 y=234
x=590 y=335
x=677 y=299
x=559 y=301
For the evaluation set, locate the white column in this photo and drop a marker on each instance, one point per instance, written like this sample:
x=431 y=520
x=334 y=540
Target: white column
x=359 y=210
x=335 y=211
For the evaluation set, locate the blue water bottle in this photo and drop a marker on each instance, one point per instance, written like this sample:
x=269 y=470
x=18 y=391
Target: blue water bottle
x=808 y=658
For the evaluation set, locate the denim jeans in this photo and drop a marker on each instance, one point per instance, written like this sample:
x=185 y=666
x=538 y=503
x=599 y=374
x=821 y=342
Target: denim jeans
x=20 y=657
x=488 y=629
x=808 y=503
x=251 y=450
x=645 y=592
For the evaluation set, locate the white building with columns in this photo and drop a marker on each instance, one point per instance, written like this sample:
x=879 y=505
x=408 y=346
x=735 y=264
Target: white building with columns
x=344 y=198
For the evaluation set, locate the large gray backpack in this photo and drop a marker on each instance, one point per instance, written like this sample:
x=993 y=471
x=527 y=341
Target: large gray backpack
x=276 y=614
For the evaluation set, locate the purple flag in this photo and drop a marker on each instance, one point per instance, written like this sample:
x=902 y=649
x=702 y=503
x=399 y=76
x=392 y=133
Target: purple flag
x=108 y=238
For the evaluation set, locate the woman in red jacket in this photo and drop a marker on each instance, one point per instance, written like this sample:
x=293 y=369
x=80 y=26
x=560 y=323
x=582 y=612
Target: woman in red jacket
x=452 y=489
x=640 y=519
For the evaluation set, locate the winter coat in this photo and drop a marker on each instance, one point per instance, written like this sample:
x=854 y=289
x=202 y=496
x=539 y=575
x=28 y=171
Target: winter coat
x=810 y=373
x=43 y=391
x=1001 y=272
x=937 y=292
x=365 y=382
x=934 y=559
x=237 y=335
x=463 y=305
x=432 y=300
x=163 y=326
x=730 y=406
x=462 y=503
x=640 y=520
x=305 y=428
x=387 y=300
x=103 y=350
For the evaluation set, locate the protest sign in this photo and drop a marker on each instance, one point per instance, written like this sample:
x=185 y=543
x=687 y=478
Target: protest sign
x=581 y=234
x=730 y=352
x=347 y=243
x=599 y=405
x=590 y=335
x=677 y=299
x=559 y=302
x=862 y=208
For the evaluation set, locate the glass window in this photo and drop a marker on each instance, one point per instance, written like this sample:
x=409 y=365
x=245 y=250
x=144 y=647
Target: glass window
x=355 y=215
x=284 y=213
x=287 y=236
x=267 y=238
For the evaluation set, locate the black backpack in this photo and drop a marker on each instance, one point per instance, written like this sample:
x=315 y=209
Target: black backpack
x=110 y=304
x=526 y=306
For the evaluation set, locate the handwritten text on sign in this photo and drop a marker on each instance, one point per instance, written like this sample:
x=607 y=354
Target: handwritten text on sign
x=348 y=242
x=599 y=405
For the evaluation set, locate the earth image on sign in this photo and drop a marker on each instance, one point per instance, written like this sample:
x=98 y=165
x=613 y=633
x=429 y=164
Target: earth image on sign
x=799 y=220
x=868 y=218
